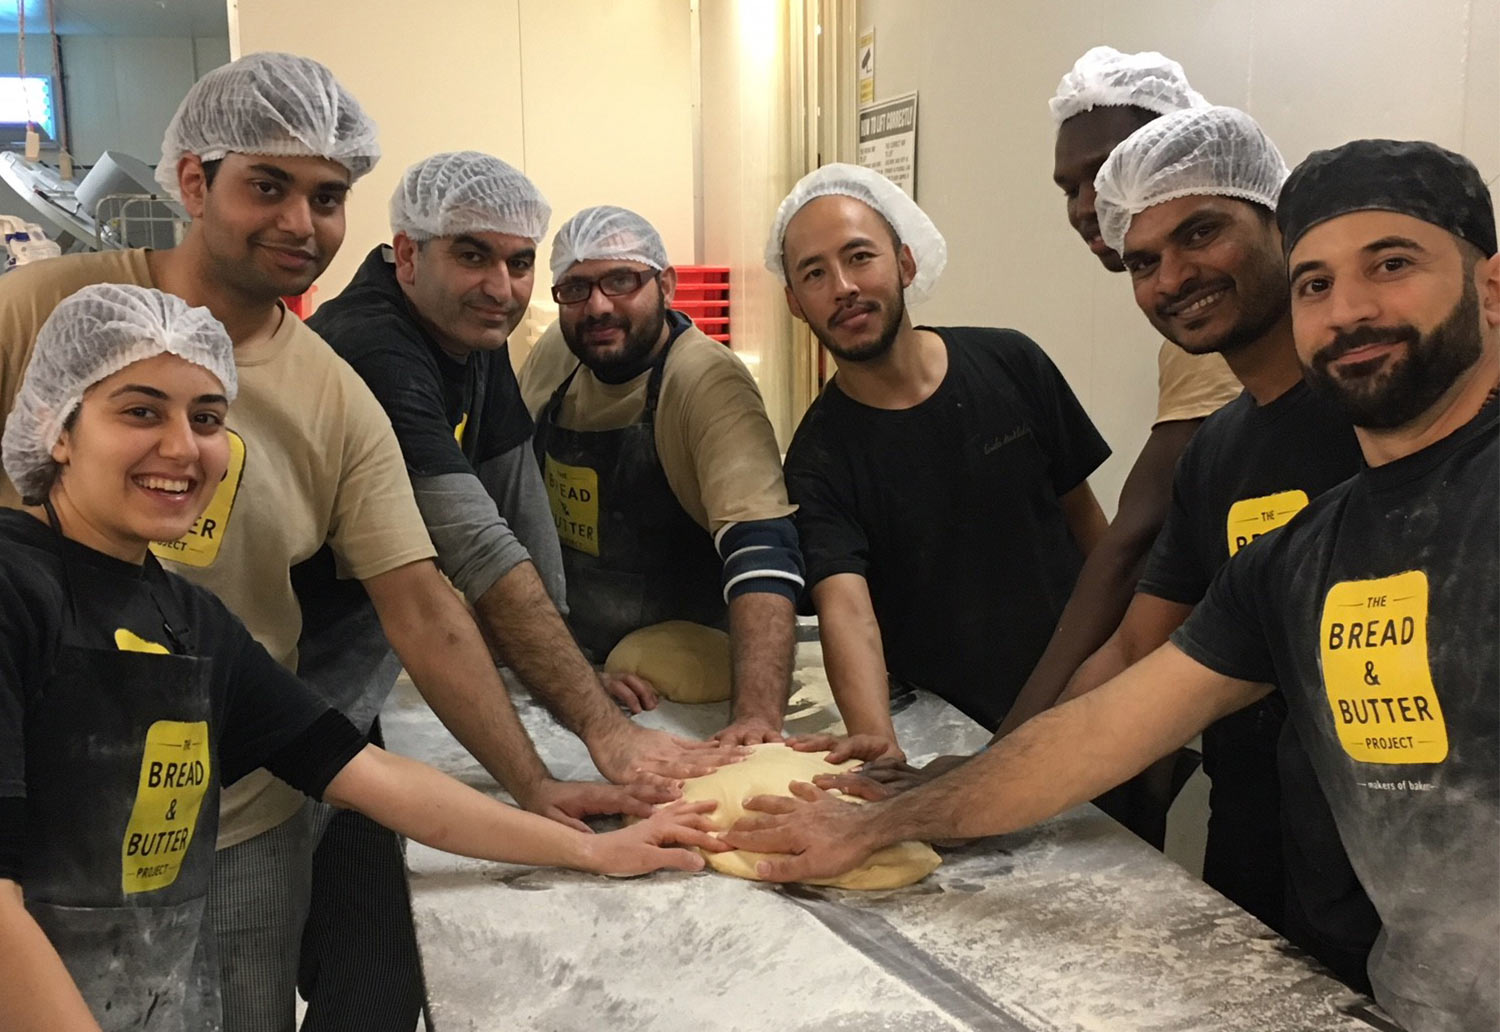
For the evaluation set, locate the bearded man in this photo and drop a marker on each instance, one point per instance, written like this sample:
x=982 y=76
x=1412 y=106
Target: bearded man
x=661 y=468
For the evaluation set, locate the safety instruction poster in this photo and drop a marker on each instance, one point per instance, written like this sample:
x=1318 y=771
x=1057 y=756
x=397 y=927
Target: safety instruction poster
x=888 y=140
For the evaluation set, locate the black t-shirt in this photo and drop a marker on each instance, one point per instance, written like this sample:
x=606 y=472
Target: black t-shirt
x=1249 y=469
x=262 y=716
x=449 y=416
x=950 y=510
x=1377 y=612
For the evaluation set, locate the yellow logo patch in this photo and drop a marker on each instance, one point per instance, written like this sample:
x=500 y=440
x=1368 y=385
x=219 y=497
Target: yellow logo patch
x=1375 y=669
x=129 y=641
x=200 y=546
x=174 y=777
x=574 y=494
x=1249 y=518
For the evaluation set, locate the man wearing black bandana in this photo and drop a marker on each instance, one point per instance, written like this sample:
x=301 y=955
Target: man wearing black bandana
x=1207 y=269
x=1376 y=609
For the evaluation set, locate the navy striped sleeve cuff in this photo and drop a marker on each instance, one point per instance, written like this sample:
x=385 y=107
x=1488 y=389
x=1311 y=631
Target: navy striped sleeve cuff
x=761 y=556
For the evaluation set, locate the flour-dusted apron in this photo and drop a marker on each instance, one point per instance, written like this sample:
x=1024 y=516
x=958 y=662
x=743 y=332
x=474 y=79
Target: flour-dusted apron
x=632 y=555
x=122 y=812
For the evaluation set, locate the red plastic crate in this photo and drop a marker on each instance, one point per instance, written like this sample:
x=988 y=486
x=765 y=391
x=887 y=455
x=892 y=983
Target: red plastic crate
x=703 y=296
x=702 y=292
x=702 y=274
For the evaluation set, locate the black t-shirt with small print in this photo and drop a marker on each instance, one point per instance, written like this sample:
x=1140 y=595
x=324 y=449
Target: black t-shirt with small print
x=951 y=511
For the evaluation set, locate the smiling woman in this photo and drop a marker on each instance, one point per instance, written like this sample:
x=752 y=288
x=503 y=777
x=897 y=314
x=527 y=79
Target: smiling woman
x=145 y=380
x=138 y=462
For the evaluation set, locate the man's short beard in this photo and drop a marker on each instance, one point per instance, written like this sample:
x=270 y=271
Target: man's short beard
x=246 y=281
x=880 y=346
x=1250 y=329
x=1398 y=393
x=633 y=358
x=1262 y=285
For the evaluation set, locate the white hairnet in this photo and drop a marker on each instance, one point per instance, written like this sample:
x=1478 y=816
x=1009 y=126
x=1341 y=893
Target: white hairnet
x=1104 y=77
x=269 y=103
x=89 y=336
x=607 y=232
x=913 y=227
x=467 y=192
x=1215 y=151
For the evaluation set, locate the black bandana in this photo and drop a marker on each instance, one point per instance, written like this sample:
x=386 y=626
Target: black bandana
x=1408 y=177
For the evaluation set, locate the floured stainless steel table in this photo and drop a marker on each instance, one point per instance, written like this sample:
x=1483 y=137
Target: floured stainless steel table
x=1072 y=926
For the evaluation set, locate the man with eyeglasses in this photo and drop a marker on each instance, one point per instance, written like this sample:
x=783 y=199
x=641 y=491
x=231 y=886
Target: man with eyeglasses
x=661 y=467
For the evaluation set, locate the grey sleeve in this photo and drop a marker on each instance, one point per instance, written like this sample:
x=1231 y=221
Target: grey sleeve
x=514 y=480
x=475 y=544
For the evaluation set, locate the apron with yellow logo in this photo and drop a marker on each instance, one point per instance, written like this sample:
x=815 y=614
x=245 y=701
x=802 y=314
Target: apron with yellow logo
x=122 y=810
x=631 y=554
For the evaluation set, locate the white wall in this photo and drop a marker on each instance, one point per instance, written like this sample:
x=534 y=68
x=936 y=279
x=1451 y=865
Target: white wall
x=591 y=98
x=1313 y=73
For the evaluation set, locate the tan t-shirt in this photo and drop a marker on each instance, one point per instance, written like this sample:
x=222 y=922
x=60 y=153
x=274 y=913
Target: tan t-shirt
x=313 y=461
x=1191 y=386
x=716 y=445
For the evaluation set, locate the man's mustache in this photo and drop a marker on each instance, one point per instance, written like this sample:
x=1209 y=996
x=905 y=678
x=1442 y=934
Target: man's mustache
x=1364 y=336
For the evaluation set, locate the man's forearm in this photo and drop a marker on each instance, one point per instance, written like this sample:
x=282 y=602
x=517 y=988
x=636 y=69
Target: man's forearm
x=861 y=691
x=1109 y=661
x=483 y=556
x=763 y=644
x=435 y=637
x=853 y=657
x=1069 y=754
x=1093 y=611
x=1109 y=575
x=529 y=636
x=1147 y=626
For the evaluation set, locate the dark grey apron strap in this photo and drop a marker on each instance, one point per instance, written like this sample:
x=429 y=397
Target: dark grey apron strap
x=176 y=635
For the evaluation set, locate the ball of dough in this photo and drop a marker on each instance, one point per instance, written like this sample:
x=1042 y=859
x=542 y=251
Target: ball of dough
x=684 y=661
x=767 y=771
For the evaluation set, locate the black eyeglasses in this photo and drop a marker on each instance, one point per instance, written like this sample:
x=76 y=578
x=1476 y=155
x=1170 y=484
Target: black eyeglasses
x=616 y=283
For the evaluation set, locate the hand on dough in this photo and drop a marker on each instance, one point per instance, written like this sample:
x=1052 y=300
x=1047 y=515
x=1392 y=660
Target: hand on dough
x=823 y=835
x=751 y=731
x=867 y=748
x=643 y=847
x=568 y=802
x=881 y=779
x=630 y=754
x=632 y=691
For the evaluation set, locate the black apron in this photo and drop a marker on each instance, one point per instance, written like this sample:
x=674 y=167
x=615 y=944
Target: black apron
x=632 y=556
x=122 y=813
